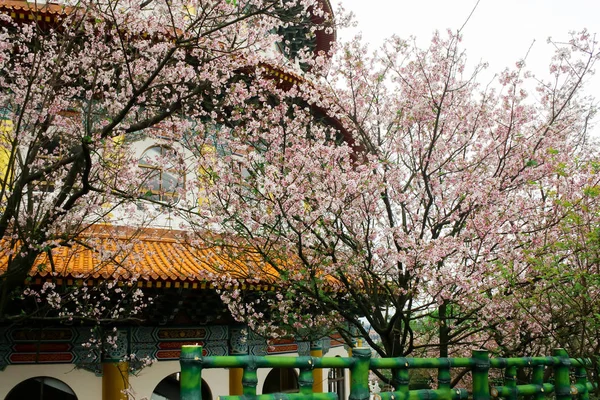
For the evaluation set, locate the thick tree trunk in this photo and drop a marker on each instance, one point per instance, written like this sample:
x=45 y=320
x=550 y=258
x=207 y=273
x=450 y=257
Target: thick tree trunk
x=15 y=276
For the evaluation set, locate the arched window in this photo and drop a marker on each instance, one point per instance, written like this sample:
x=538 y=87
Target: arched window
x=168 y=389
x=162 y=176
x=41 y=388
x=281 y=380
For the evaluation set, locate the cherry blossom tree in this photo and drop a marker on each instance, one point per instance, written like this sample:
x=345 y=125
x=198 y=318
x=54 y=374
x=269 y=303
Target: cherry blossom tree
x=77 y=88
x=409 y=209
x=559 y=290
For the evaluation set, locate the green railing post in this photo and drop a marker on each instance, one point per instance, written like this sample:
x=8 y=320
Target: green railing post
x=249 y=379
x=401 y=378
x=481 y=387
x=562 y=382
x=191 y=372
x=581 y=381
x=359 y=380
x=306 y=377
x=444 y=379
x=510 y=381
x=444 y=374
x=537 y=378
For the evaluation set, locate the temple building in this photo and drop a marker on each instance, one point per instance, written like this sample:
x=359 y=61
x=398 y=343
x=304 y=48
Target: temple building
x=38 y=358
x=44 y=360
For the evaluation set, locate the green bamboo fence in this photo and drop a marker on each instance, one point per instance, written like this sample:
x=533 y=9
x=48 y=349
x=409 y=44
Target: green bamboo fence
x=567 y=377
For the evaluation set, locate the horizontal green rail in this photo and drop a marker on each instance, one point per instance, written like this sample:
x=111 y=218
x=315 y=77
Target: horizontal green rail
x=561 y=386
x=275 y=362
x=282 y=396
x=411 y=363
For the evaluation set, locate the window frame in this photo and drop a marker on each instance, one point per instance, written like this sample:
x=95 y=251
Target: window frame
x=160 y=195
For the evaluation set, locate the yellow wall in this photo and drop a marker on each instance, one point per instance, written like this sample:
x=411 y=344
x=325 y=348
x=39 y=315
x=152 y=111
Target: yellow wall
x=6 y=127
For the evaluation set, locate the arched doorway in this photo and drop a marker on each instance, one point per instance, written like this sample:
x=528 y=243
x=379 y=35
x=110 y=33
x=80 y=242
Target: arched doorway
x=281 y=380
x=41 y=388
x=168 y=389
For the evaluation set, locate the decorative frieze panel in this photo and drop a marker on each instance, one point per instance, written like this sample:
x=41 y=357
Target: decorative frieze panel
x=77 y=345
x=4 y=348
x=279 y=346
x=238 y=340
x=304 y=349
x=39 y=346
x=116 y=346
x=257 y=345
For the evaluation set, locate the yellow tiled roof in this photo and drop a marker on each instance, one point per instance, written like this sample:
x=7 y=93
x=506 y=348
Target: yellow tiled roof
x=24 y=10
x=152 y=255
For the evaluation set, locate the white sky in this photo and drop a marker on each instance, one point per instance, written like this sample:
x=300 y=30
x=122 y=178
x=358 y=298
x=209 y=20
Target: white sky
x=500 y=31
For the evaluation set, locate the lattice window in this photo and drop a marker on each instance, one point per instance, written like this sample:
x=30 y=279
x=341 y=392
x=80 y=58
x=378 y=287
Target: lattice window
x=336 y=382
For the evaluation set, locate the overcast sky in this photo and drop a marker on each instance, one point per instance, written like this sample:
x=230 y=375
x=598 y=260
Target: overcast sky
x=499 y=32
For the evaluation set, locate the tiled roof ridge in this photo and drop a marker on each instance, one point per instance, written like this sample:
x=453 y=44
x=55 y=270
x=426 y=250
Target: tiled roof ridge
x=129 y=233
